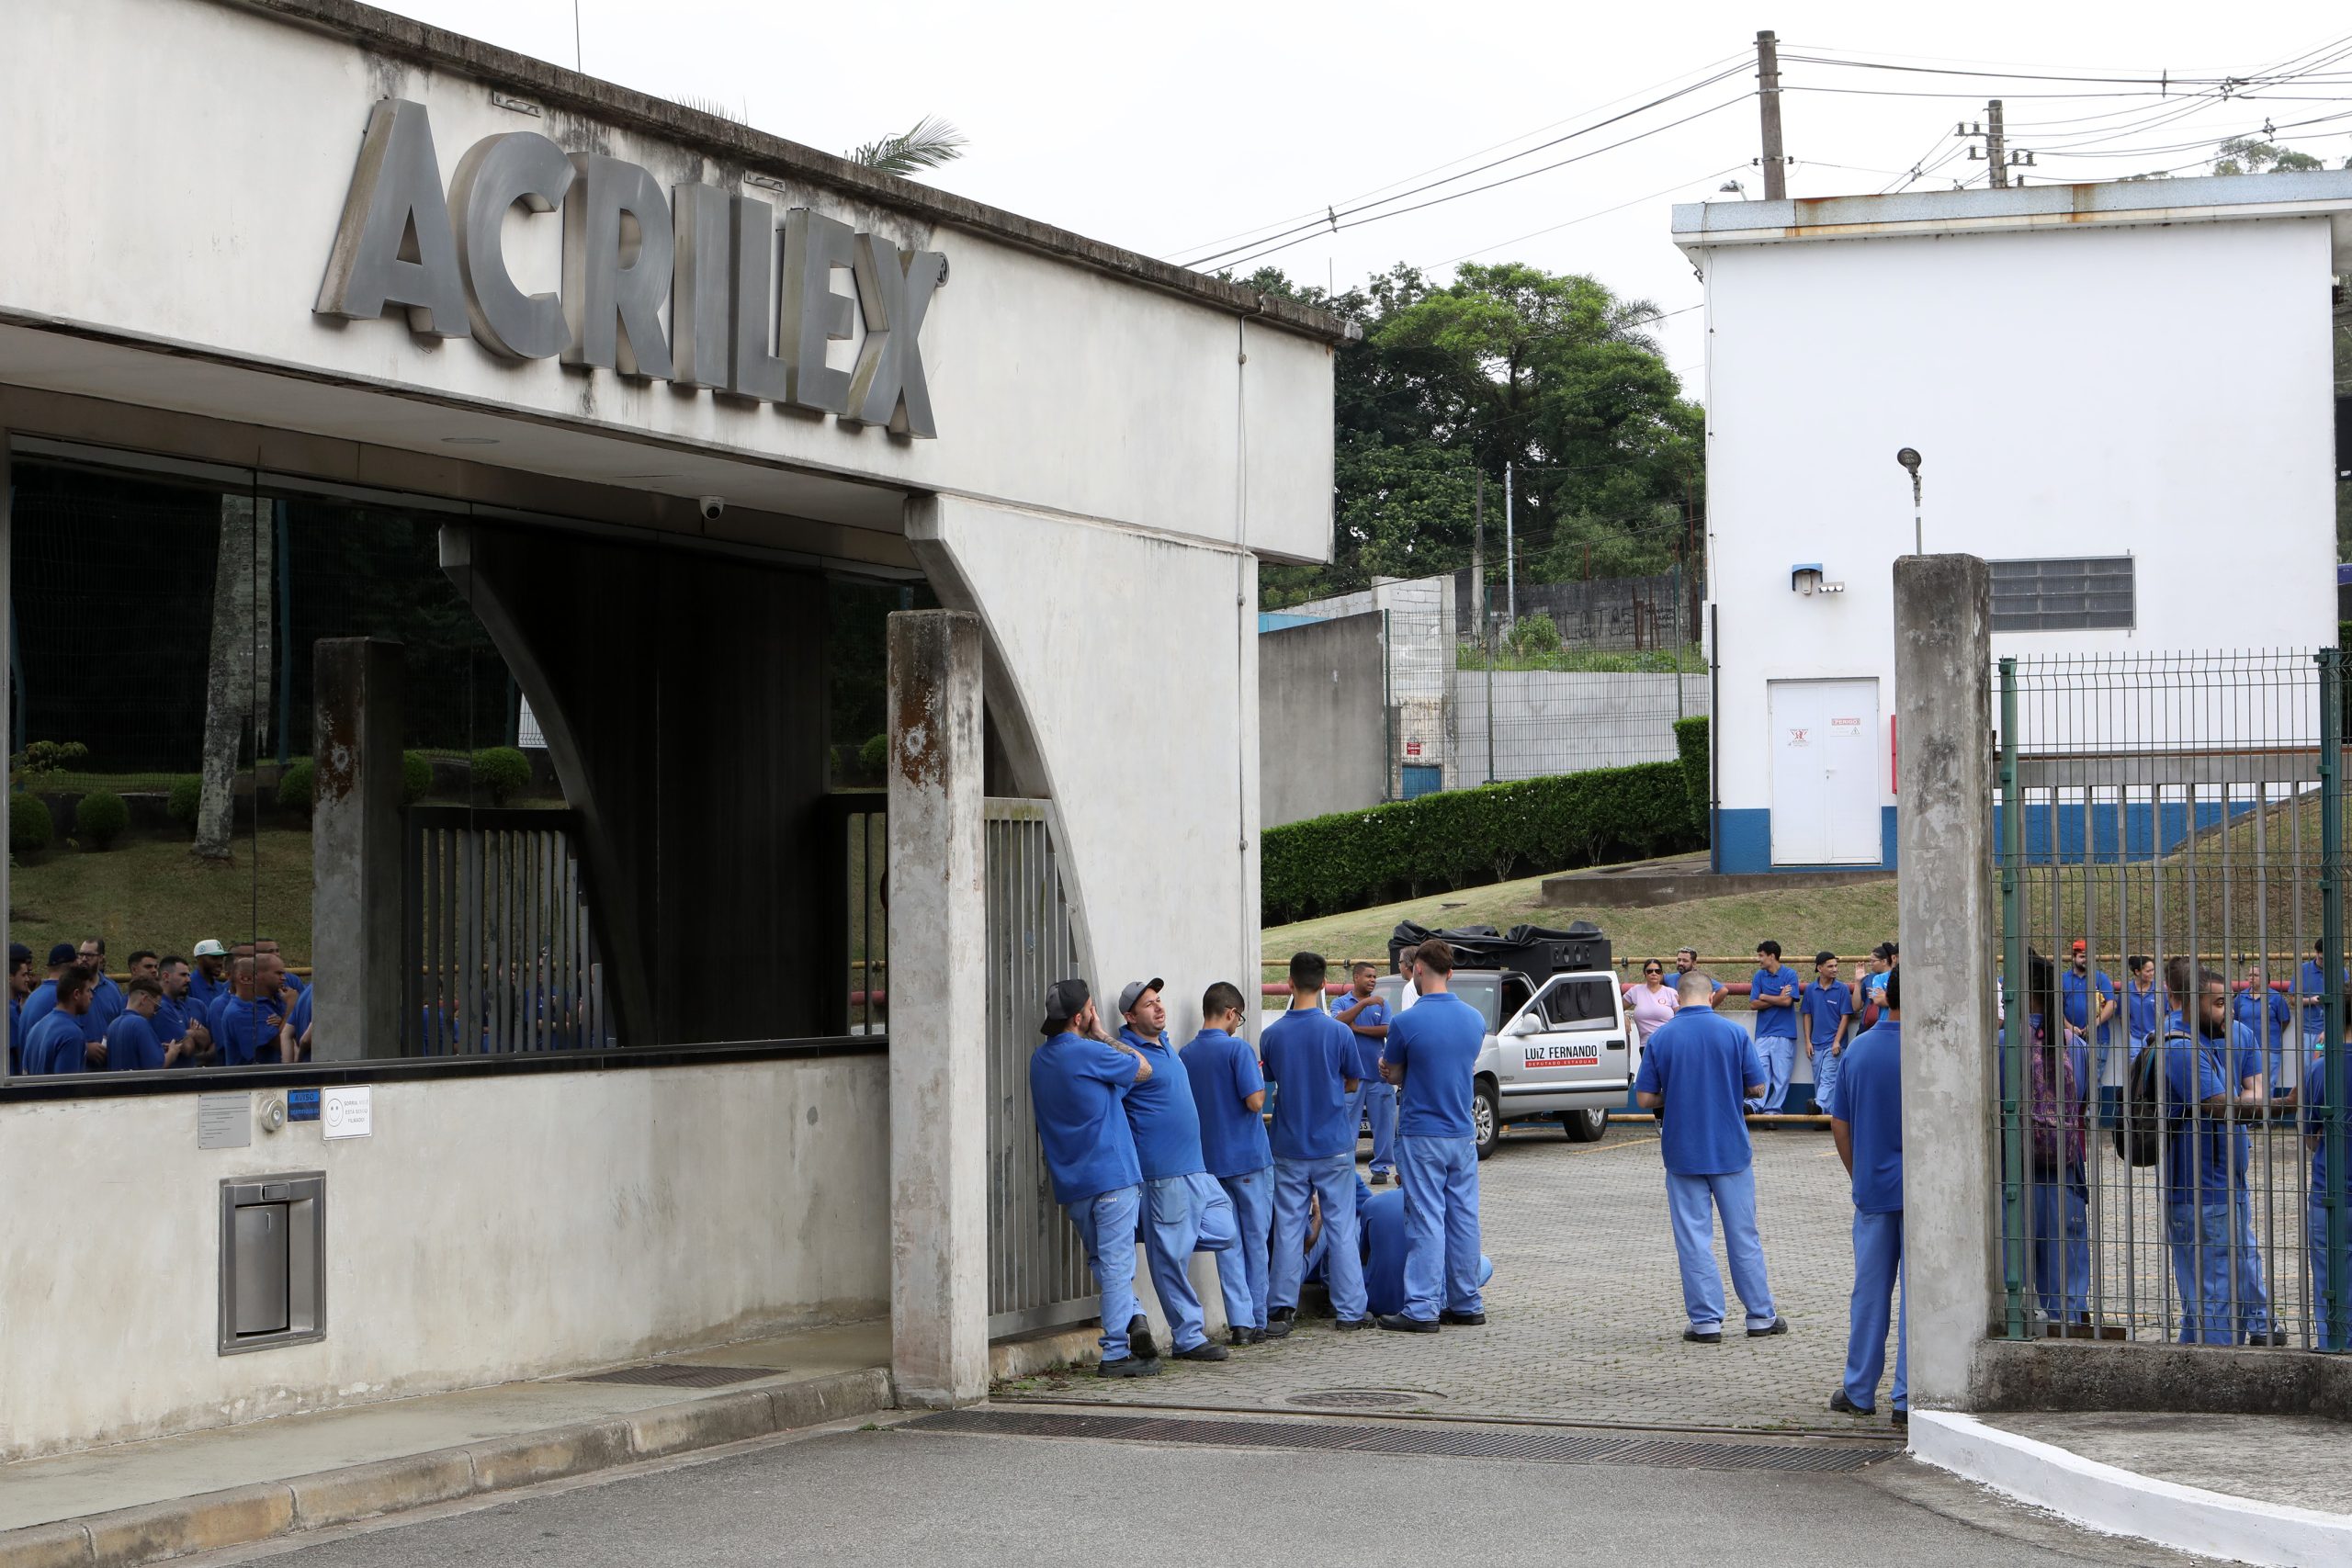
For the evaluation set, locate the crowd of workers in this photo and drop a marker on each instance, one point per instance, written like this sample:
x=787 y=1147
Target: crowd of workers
x=228 y=1007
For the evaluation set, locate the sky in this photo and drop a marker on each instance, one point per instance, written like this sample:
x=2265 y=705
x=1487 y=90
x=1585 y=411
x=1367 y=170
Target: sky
x=1179 y=134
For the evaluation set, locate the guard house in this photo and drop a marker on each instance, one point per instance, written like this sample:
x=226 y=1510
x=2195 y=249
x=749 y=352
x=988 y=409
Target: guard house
x=363 y=388
x=2120 y=394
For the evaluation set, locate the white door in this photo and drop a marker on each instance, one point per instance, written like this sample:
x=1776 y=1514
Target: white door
x=1825 y=772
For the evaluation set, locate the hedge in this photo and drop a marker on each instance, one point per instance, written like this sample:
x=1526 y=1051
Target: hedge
x=30 y=826
x=1352 y=858
x=501 y=772
x=298 y=787
x=99 y=819
x=1690 y=745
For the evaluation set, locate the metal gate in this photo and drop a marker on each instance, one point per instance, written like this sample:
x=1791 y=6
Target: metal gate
x=502 y=951
x=1037 y=1275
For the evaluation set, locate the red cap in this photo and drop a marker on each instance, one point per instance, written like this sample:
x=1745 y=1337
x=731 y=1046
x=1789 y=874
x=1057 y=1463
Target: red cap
x=2078 y=947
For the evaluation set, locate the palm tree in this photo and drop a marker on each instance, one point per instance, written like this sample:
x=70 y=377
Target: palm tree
x=931 y=142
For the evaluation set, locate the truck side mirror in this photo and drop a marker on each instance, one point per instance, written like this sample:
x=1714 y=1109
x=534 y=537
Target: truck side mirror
x=1526 y=1023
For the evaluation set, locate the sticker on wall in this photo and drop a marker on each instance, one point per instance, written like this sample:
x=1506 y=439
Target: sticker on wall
x=1845 y=726
x=1797 y=737
x=1412 y=747
x=344 y=1112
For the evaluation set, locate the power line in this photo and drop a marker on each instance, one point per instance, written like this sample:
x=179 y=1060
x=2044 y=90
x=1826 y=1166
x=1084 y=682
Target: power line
x=1569 y=223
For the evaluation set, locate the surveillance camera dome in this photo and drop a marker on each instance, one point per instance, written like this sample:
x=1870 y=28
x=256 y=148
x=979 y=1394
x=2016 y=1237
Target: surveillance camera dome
x=712 y=506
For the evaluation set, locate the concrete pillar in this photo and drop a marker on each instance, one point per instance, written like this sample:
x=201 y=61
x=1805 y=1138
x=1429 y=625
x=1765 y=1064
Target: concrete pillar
x=1943 y=612
x=357 y=952
x=939 y=1222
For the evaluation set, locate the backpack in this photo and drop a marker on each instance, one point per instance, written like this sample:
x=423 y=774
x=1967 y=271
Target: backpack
x=2138 y=1127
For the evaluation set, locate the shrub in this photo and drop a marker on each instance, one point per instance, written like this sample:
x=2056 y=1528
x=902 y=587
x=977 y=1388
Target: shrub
x=873 y=755
x=501 y=772
x=416 y=777
x=41 y=758
x=99 y=819
x=30 y=826
x=1535 y=633
x=298 y=787
x=187 y=797
x=1349 y=860
x=1690 y=745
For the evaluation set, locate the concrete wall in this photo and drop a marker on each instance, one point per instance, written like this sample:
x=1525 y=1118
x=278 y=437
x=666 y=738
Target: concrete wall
x=2160 y=391
x=1422 y=630
x=1322 y=733
x=1550 y=721
x=488 y=1229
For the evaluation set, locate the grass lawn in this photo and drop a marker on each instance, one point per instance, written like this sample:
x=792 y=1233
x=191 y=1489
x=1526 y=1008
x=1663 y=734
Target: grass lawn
x=1849 y=920
x=152 y=893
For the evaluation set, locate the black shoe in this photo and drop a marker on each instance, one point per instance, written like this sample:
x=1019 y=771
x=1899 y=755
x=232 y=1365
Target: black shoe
x=1139 y=1337
x=1778 y=1325
x=1257 y=1336
x=1397 y=1323
x=2275 y=1337
x=1380 y=1178
x=1206 y=1350
x=1901 y=1418
x=1845 y=1406
x=1695 y=1337
x=1350 y=1325
x=1462 y=1319
x=1279 y=1322
x=1237 y=1336
x=1128 y=1367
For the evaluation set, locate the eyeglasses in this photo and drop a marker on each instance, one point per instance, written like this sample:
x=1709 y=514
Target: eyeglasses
x=1653 y=969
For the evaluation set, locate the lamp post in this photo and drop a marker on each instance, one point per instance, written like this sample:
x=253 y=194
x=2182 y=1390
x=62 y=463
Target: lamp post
x=1909 y=458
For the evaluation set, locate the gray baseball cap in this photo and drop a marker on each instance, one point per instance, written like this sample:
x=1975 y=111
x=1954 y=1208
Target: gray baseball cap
x=1065 y=999
x=1132 y=992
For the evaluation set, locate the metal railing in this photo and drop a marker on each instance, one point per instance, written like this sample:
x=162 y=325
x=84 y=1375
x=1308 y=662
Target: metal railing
x=2169 y=850
x=502 y=951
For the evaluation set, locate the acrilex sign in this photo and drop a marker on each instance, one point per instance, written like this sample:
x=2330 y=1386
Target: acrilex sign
x=737 y=322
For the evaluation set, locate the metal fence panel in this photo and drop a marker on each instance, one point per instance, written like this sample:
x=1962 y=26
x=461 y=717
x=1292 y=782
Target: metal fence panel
x=503 y=955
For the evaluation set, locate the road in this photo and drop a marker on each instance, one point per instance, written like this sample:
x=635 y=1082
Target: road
x=904 y=1495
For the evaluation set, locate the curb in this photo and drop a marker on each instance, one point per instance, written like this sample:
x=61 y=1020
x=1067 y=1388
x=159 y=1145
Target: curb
x=2115 y=1501
x=242 y=1515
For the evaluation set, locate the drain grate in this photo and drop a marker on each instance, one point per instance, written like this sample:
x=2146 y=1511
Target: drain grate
x=682 y=1374
x=1357 y=1398
x=1450 y=1442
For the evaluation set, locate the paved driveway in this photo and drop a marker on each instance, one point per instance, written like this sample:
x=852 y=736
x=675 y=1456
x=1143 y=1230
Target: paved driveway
x=1585 y=1311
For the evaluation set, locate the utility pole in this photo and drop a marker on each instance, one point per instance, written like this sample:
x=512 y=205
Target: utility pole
x=1997 y=155
x=1768 y=102
x=1510 y=558
x=1486 y=620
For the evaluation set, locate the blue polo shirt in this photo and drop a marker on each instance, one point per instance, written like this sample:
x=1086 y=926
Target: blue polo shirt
x=43 y=1001
x=1225 y=1074
x=203 y=992
x=132 y=1045
x=2267 y=1017
x=1161 y=1112
x=2075 y=994
x=2316 y=1123
x=1437 y=1044
x=242 y=1031
x=1773 y=1023
x=1309 y=1053
x=2311 y=981
x=55 y=1044
x=1702 y=1063
x=1374 y=1014
x=1076 y=1085
x=1868 y=1097
x=1824 y=1009
x=302 y=1021
x=2198 y=1159
x=105 y=1000
x=15 y=1036
x=2140 y=1011
x=169 y=1023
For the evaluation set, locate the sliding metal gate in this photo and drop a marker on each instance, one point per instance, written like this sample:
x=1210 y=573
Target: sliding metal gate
x=1037 y=1275
x=502 y=952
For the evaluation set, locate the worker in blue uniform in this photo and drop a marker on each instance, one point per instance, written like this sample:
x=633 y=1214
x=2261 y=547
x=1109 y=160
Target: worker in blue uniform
x=2091 y=1007
x=1311 y=1058
x=59 y=1041
x=134 y=1044
x=1697 y=1069
x=1772 y=992
x=2205 y=1090
x=2310 y=986
x=2331 y=1308
x=1184 y=1209
x=1228 y=1092
x=2264 y=1014
x=20 y=985
x=1367 y=1016
x=1431 y=1055
x=1826 y=1005
x=1380 y=1230
x=43 y=998
x=1077 y=1081
x=2057 y=1196
x=1866 y=1121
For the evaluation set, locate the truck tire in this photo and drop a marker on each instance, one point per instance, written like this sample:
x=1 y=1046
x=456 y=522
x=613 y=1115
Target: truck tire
x=1487 y=1117
x=1585 y=1126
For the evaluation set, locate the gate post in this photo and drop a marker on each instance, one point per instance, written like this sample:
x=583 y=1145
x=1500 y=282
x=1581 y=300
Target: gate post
x=1943 y=611
x=939 y=1176
x=357 y=948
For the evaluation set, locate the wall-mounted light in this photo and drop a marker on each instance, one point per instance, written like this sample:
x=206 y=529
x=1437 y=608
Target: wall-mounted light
x=1806 y=578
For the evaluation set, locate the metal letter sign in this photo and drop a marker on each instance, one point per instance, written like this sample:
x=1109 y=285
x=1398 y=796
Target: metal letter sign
x=737 y=322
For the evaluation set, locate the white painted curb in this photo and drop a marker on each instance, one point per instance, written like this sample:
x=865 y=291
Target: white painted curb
x=2120 y=1502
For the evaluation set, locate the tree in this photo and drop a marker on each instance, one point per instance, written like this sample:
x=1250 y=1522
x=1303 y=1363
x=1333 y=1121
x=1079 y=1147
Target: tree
x=237 y=687
x=928 y=144
x=2252 y=155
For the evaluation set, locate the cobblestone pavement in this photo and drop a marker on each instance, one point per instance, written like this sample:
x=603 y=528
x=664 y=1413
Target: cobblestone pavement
x=1585 y=1310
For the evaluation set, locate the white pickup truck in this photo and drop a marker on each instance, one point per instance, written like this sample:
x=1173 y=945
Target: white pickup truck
x=1563 y=1049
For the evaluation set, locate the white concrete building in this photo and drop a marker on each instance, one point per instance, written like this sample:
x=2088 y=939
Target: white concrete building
x=2122 y=396
x=657 y=379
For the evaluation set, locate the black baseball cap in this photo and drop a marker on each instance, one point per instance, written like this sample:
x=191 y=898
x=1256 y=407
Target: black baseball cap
x=18 y=953
x=64 y=952
x=1065 y=999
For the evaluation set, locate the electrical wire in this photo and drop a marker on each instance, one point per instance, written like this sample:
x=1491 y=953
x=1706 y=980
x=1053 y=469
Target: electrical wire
x=1569 y=223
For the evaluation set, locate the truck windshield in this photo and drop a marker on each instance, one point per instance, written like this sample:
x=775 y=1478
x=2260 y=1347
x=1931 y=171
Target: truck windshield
x=1481 y=991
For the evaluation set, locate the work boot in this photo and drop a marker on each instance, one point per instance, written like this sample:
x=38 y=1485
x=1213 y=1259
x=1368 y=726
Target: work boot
x=1139 y=1337
x=1279 y=1322
x=1901 y=1418
x=1840 y=1404
x=1128 y=1367
x=1380 y=1178
x=1206 y=1350
x=1462 y=1319
x=1703 y=1336
x=1778 y=1325
x=1236 y=1337
x=1397 y=1323
x=1350 y=1325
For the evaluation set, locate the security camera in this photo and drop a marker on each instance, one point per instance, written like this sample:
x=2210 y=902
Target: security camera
x=712 y=506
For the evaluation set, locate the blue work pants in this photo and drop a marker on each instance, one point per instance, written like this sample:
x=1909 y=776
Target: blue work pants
x=1376 y=1103
x=1332 y=1179
x=1107 y=1223
x=1252 y=1197
x=1779 y=1053
x=1694 y=1201
x=2253 y=1289
x=1184 y=1214
x=1879 y=1273
x=1825 y=1063
x=2059 y=1213
x=1441 y=1181
x=2199 y=1238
